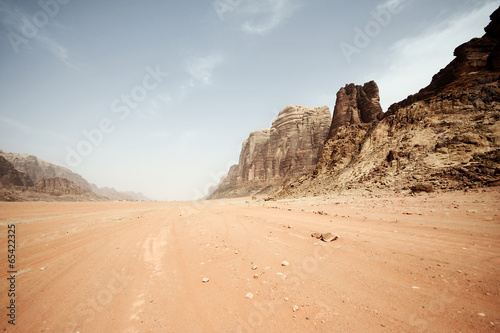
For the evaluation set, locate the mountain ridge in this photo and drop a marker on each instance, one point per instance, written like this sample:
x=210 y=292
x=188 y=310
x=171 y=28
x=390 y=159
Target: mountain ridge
x=24 y=173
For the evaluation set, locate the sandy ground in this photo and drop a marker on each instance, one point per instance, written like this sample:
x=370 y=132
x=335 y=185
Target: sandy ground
x=425 y=263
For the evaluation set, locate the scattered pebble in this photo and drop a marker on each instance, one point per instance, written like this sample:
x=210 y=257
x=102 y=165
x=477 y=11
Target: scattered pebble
x=249 y=295
x=481 y=314
x=307 y=318
x=415 y=287
x=285 y=263
x=254 y=267
x=205 y=280
x=42 y=268
x=283 y=276
x=286 y=298
x=256 y=276
x=295 y=308
x=236 y=252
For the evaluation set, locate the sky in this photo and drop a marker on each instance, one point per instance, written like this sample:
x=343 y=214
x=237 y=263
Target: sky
x=157 y=96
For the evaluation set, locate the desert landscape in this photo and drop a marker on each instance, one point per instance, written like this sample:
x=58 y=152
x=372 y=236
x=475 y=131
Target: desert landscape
x=402 y=263
x=355 y=219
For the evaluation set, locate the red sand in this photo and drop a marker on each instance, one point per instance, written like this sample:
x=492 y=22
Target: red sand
x=428 y=263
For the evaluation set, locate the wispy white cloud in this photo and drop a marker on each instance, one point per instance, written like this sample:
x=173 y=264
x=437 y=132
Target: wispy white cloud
x=267 y=15
x=201 y=68
x=56 y=49
x=17 y=22
x=413 y=61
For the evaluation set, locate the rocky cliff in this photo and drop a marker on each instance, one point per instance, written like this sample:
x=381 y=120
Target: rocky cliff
x=38 y=169
x=447 y=136
x=289 y=149
x=60 y=186
x=20 y=172
x=10 y=177
x=356 y=105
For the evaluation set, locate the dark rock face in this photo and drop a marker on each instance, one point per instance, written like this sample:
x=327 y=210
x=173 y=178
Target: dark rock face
x=479 y=58
x=446 y=136
x=290 y=148
x=356 y=105
x=10 y=177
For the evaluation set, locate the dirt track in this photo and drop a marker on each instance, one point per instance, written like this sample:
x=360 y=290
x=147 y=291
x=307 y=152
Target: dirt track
x=429 y=263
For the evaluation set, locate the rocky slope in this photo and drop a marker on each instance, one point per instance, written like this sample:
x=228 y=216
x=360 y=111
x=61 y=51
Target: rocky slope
x=111 y=193
x=18 y=186
x=447 y=136
x=20 y=172
x=60 y=186
x=289 y=149
x=38 y=169
x=10 y=177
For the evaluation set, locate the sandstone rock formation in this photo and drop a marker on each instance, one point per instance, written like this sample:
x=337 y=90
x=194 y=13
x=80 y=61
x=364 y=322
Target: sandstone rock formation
x=38 y=169
x=60 y=186
x=446 y=136
x=356 y=105
x=290 y=148
x=10 y=177
x=25 y=177
x=24 y=171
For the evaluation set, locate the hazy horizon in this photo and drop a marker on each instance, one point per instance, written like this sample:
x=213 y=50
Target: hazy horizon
x=157 y=97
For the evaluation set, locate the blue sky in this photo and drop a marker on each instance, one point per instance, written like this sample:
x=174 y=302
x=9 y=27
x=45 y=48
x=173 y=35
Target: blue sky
x=157 y=96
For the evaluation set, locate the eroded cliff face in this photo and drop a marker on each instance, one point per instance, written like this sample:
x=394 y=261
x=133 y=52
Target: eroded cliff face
x=446 y=136
x=61 y=186
x=10 y=177
x=356 y=104
x=38 y=169
x=26 y=177
x=271 y=156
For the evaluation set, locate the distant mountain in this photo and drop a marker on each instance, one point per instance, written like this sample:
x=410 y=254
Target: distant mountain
x=26 y=177
x=38 y=169
x=137 y=196
x=60 y=186
x=17 y=186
